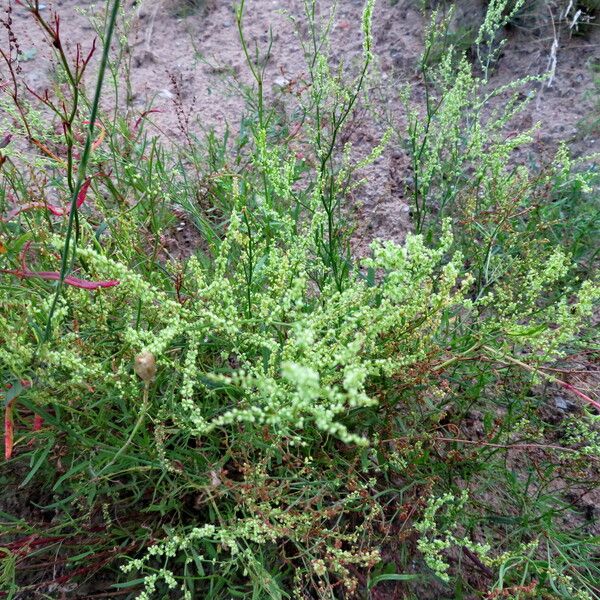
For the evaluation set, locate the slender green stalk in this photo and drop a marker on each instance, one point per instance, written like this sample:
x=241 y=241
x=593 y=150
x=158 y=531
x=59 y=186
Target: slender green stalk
x=141 y=418
x=81 y=172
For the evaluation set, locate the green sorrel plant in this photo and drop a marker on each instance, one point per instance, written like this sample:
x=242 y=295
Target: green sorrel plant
x=265 y=418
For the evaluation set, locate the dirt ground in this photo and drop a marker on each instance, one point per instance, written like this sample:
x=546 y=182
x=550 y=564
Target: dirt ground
x=182 y=50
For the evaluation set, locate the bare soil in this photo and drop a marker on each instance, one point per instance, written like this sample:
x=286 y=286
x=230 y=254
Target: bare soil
x=182 y=51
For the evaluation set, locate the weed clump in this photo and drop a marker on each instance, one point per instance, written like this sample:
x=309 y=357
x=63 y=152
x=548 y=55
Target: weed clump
x=270 y=417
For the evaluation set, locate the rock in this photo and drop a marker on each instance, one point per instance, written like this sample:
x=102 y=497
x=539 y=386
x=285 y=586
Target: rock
x=563 y=404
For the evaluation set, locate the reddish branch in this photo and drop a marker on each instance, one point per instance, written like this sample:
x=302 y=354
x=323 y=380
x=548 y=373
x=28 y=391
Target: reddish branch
x=25 y=272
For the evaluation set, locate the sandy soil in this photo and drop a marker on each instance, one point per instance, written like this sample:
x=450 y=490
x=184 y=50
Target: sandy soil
x=182 y=54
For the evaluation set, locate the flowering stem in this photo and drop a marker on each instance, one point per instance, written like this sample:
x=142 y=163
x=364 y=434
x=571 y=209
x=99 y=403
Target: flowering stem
x=547 y=376
x=456 y=358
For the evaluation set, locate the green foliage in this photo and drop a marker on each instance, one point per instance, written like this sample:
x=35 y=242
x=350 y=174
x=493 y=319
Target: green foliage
x=590 y=125
x=463 y=166
x=266 y=418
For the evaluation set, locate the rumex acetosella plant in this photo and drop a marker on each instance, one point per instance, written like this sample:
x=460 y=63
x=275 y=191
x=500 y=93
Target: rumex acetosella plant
x=470 y=161
x=260 y=418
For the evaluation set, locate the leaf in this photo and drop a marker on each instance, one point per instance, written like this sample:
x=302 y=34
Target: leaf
x=83 y=192
x=38 y=463
x=8 y=430
x=144 y=115
x=57 y=211
x=100 y=230
x=98 y=141
x=18 y=244
x=393 y=577
x=74 y=281
x=38 y=422
x=24 y=272
x=70 y=473
x=14 y=390
x=128 y=584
